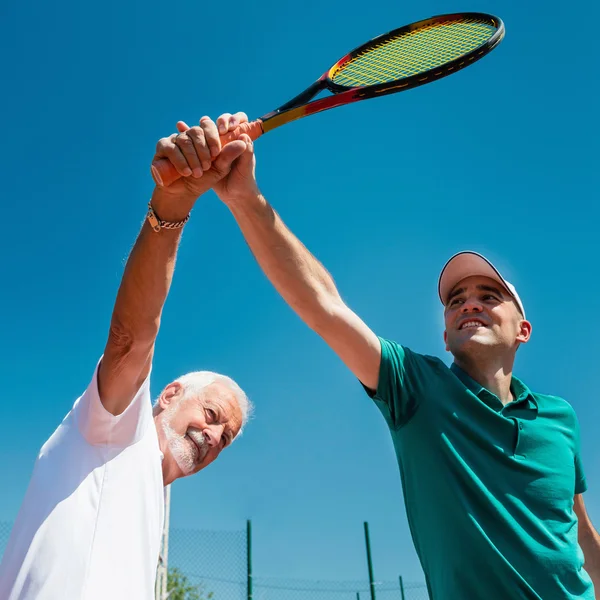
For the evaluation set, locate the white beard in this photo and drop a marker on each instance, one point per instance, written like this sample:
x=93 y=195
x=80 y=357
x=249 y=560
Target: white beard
x=182 y=449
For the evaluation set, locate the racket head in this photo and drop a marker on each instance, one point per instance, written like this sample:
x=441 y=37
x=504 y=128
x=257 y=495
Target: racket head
x=416 y=54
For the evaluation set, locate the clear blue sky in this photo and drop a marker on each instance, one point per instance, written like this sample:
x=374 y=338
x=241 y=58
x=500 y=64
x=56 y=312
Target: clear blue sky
x=500 y=158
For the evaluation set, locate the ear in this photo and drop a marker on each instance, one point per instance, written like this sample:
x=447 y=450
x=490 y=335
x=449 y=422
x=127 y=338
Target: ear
x=446 y=340
x=170 y=395
x=524 y=331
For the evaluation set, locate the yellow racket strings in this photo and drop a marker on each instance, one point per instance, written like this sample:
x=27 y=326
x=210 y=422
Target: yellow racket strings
x=414 y=52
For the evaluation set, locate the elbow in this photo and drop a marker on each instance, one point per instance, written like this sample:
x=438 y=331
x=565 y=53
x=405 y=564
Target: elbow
x=124 y=340
x=324 y=313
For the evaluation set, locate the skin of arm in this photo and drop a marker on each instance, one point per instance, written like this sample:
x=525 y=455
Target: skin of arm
x=307 y=287
x=136 y=315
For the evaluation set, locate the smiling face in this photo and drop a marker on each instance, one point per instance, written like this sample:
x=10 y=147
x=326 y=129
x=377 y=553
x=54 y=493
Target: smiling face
x=194 y=428
x=481 y=316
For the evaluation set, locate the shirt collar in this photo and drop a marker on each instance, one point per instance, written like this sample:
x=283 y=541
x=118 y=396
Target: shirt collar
x=520 y=391
x=469 y=382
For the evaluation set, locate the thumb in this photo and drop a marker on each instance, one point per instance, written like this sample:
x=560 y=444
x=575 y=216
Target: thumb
x=229 y=153
x=182 y=126
x=245 y=163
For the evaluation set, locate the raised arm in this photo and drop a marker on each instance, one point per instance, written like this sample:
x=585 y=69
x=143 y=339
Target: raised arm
x=149 y=271
x=296 y=274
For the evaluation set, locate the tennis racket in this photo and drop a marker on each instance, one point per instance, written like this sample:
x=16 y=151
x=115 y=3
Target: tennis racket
x=393 y=62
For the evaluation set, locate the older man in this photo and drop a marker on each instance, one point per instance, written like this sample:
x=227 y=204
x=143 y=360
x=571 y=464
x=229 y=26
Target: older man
x=90 y=525
x=491 y=471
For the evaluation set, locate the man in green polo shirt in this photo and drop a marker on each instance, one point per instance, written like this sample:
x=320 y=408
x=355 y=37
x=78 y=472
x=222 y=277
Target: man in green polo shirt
x=491 y=471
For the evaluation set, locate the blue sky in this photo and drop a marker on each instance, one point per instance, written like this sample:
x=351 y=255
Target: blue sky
x=500 y=158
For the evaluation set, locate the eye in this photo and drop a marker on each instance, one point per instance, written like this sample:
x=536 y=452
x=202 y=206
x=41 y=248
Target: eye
x=489 y=297
x=211 y=415
x=455 y=301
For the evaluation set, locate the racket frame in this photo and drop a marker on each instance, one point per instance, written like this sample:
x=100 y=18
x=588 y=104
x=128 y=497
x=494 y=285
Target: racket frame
x=301 y=106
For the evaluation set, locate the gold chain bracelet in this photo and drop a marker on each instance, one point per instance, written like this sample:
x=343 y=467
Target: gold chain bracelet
x=157 y=224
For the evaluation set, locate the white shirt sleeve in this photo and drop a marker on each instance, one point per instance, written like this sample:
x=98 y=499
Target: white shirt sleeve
x=101 y=428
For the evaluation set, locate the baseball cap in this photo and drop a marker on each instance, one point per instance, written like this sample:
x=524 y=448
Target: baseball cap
x=468 y=264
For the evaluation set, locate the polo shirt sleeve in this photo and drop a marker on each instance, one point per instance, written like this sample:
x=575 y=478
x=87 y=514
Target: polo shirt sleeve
x=101 y=428
x=397 y=394
x=580 y=481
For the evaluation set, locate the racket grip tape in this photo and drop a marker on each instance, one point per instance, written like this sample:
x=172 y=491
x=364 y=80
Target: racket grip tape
x=164 y=173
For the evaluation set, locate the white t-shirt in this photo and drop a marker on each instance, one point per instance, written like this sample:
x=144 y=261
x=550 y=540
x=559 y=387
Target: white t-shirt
x=90 y=525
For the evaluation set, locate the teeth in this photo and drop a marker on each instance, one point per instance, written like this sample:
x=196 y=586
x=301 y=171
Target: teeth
x=471 y=324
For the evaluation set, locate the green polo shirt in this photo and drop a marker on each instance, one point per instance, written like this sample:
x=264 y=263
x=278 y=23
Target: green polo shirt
x=488 y=488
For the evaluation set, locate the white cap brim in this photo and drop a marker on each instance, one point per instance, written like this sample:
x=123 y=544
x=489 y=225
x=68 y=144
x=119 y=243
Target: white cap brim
x=471 y=264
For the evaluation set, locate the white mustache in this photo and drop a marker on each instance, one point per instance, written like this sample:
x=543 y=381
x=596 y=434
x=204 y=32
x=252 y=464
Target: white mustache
x=198 y=438
x=180 y=449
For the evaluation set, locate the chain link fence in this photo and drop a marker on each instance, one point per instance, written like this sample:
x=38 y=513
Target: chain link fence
x=213 y=561
x=281 y=589
x=213 y=565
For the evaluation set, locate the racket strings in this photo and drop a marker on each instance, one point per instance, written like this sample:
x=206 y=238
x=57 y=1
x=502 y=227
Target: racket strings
x=413 y=52
x=417 y=51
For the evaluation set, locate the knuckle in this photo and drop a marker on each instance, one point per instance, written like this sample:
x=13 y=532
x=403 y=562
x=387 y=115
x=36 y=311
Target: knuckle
x=221 y=170
x=183 y=140
x=197 y=135
x=209 y=129
x=163 y=143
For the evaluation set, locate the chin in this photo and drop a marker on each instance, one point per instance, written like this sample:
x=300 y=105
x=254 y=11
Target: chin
x=472 y=346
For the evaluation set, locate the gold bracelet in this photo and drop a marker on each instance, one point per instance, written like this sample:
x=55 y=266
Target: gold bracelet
x=157 y=224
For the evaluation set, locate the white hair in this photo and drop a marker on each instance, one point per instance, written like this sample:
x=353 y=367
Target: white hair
x=196 y=382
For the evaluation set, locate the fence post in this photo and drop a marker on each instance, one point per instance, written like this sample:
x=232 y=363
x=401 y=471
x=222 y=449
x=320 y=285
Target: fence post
x=162 y=571
x=402 y=588
x=249 y=557
x=369 y=561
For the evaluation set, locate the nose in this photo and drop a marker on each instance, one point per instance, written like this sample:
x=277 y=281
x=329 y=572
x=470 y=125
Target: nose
x=213 y=434
x=471 y=305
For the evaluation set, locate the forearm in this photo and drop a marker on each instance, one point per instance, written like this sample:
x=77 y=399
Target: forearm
x=590 y=544
x=136 y=315
x=296 y=274
x=147 y=276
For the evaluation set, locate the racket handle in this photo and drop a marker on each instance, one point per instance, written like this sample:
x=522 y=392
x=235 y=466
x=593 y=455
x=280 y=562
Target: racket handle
x=163 y=171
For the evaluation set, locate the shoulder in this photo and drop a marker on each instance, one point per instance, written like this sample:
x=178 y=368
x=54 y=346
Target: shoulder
x=100 y=427
x=410 y=361
x=556 y=406
x=553 y=401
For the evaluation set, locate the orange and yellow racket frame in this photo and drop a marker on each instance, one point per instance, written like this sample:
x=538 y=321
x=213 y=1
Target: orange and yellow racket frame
x=396 y=61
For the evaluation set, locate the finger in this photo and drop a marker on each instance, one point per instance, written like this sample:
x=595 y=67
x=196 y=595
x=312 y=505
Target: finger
x=228 y=154
x=223 y=123
x=211 y=133
x=198 y=137
x=166 y=148
x=237 y=119
x=182 y=126
x=246 y=160
x=186 y=145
